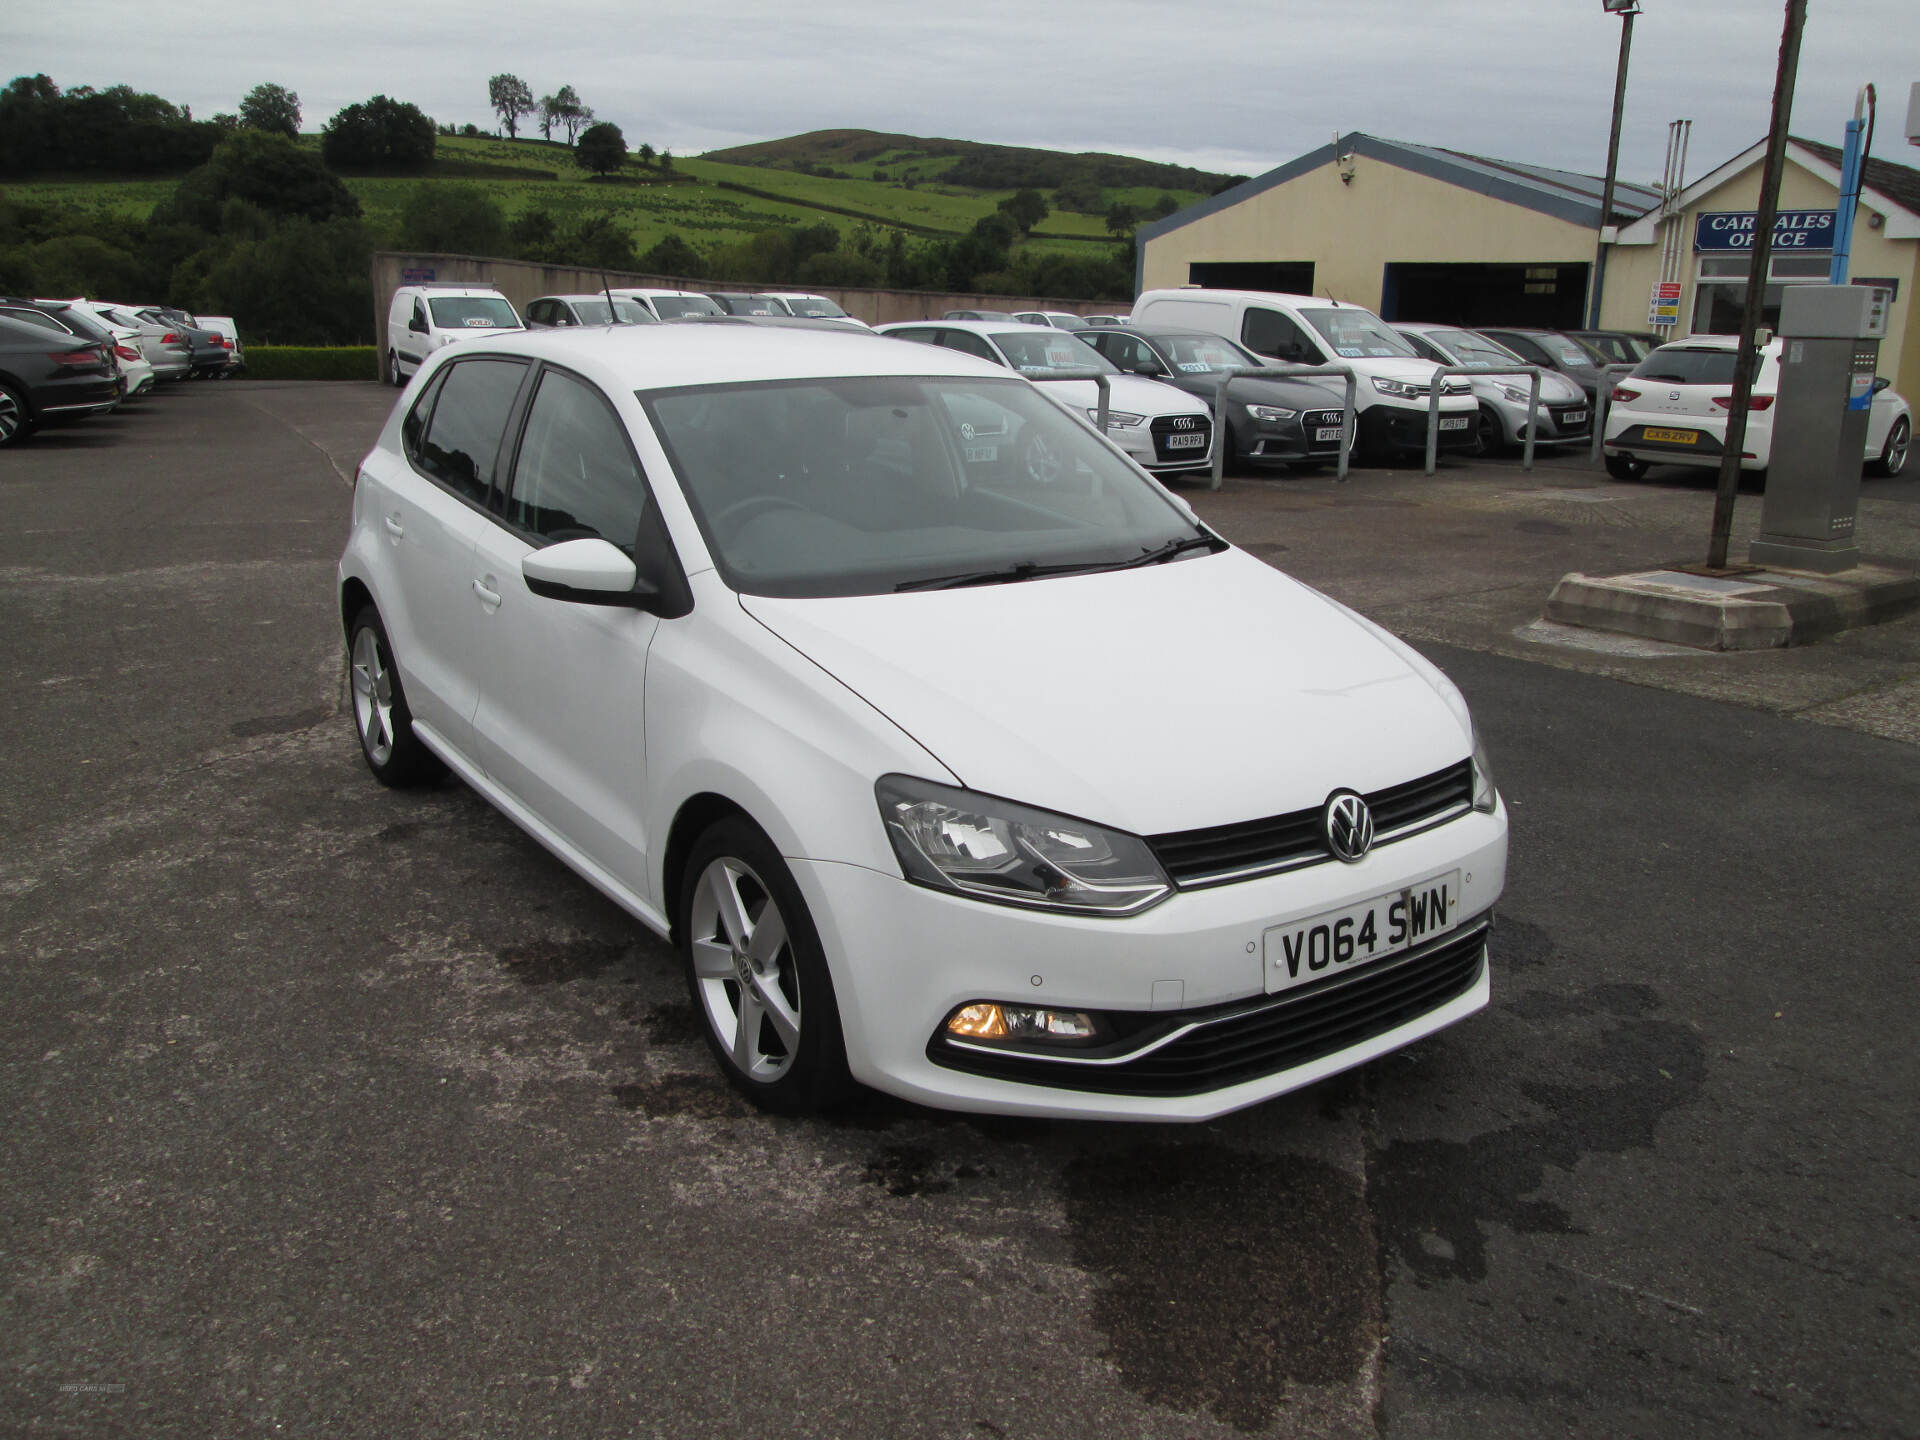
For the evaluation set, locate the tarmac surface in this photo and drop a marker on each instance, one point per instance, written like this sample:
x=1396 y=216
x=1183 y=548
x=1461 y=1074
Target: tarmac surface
x=331 y=1110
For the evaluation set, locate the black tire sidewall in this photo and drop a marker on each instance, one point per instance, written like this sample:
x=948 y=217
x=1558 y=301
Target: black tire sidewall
x=26 y=425
x=817 y=1078
x=1901 y=428
x=411 y=763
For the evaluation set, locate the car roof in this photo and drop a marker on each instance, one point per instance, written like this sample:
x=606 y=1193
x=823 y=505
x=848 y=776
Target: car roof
x=457 y=292
x=599 y=295
x=973 y=327
x=648 y=357
x=657 y=290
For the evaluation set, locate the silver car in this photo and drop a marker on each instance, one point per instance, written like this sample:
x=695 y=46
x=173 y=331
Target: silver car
x=1565 y=416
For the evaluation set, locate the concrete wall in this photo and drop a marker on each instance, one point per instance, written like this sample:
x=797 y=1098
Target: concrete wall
x=1633 y=269
x=1351 y=232
x=522 y=281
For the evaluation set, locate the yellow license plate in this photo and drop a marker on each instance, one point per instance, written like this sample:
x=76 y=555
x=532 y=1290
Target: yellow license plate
x=1673 y=437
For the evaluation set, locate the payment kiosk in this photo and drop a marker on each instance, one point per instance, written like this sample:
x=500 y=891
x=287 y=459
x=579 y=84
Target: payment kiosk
x=1830 y=346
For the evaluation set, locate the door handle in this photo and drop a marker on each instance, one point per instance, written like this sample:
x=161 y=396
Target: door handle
x=488 y=597
x=394 y=527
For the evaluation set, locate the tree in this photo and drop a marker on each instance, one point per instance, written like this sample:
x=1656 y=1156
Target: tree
x=1121 y=218
x=267 y=171
x=1079 y=195
x=511 y=98
x=272 y=108
x=645 y=152
x=563 y=108
x=379 y=133
x=576 y=119
x=602 y=149
x=1025 y=209
x=463 y=219
x=673 y=256
x=1163 y=207
x=666 y=162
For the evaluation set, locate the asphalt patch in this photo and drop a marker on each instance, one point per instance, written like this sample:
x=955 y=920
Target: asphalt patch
x=1432 y=1200
x=281 y=724
x=1542 y=527
x=556 y=962
x=670 y=1022
x=1226 y=1278
x=675 y=1096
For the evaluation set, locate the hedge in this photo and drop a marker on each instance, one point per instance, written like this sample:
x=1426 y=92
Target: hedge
x=311 y=362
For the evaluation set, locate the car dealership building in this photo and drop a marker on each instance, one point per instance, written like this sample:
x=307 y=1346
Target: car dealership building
x=1418 y=232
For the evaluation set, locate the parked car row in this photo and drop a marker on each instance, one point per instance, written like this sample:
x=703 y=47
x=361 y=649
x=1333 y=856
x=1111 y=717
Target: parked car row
x=63 y=360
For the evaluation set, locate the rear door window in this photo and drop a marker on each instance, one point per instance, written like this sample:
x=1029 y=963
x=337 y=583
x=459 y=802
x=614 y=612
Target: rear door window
x=462 y=439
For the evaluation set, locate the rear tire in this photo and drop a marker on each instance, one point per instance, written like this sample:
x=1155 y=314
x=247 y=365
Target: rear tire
x=1627 y=467
x=381 y=718
x=1893 y=457
x=394 y=377
x=758 y=975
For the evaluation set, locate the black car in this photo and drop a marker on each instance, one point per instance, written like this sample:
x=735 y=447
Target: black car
x=48 y=374
x=63 y=319
x=1269 y=422
x=1552 y=350
x=1618 y=347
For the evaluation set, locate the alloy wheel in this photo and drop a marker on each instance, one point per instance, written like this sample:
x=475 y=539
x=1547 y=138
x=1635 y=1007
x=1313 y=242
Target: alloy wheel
x=372 y=696
x=11 y=416
x=744 y=966
x=1898 y=442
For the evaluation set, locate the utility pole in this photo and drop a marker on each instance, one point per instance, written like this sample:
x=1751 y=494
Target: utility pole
x=1626 y=10
x=1746 y=358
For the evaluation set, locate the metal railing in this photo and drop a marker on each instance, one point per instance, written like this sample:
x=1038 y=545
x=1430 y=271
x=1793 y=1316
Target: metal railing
x=1532 y=372
x=1102 y=382
x=1610 y=375
x=1223 y=433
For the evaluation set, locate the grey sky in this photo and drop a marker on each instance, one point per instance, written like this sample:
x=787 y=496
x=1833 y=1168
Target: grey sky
x=1238 y=85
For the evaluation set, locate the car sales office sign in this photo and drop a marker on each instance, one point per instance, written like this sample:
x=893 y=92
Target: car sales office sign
x=1733 y=230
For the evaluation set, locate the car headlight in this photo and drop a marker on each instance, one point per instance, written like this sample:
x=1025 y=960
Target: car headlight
x=1118 y=419
x=991 y=849
x=1399 y=389
x=1271 y=412
x=1485 y=796
x=1516 y=394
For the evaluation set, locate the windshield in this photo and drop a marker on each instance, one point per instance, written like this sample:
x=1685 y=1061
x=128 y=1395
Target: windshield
x=1357 y=334
x=751 y=305
x=1687 y=367
x=1205 y=354
x=860 y=486
x=1567 y=352
x=473 y=312
x=1047 y=350
x=813 y=305
x=672 y=307
x=594 y=312
x=1468 y=348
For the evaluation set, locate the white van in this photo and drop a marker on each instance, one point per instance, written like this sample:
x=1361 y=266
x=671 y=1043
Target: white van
x=1394 y=383
x=422 y=318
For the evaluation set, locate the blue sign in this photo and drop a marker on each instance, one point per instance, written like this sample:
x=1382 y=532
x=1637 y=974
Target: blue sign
x=416 y=275
x=1793 y=230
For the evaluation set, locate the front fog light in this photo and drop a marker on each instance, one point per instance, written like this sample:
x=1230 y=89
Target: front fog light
x=985 y=1020
x=1484 y=794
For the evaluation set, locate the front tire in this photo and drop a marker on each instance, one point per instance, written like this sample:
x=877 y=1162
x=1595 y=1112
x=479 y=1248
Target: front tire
x=758 y=975
x=16 y=420
x=1893 y=457
x=1627 y=467
x=1488 y=433
x=381 y=718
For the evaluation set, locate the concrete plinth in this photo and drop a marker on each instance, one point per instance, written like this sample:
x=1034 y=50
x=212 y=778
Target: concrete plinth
x=1763 y=610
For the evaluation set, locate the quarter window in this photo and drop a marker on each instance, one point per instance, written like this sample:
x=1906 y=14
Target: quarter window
x=968 y=343
x=575 y=477
x=470 y=416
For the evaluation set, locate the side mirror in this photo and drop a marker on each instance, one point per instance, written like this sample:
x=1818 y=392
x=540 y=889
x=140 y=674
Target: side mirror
x=1880 y=382
x=417 y=325
x=587 y=572
x=1149 y=369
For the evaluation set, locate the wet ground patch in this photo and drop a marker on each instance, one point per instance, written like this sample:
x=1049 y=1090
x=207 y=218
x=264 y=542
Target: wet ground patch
x=904 y=1170
x=555 y=962
x=1226 y=1278
x=691 y=1096
x=279 y=724
x=667 y=1022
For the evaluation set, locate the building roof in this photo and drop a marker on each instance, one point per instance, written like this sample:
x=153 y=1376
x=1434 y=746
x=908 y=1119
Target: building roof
x=1899 y=183
x=1563 y=194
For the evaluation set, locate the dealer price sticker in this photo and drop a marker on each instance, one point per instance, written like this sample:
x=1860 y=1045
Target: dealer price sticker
x=1311 y=949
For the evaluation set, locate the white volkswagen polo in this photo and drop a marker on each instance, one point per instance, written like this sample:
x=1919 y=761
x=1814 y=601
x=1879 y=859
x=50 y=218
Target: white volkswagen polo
x=873 y=722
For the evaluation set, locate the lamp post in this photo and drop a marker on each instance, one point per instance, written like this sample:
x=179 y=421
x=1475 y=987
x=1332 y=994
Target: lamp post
x=1626 y=10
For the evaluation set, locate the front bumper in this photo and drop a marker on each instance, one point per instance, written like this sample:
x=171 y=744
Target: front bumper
x=1151 y=445
x=1385 y=428
x=1279 y=442
x=904 y=957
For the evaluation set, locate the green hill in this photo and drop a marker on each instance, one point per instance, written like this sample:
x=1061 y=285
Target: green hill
x=871 y=155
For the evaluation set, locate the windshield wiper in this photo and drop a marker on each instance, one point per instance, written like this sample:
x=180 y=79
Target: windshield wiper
x=1032 y=570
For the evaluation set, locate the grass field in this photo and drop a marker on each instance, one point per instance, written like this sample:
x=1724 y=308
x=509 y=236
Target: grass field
x=526 y=174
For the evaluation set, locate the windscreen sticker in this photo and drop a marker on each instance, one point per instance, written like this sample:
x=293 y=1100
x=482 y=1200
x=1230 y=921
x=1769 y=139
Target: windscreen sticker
x=1352 y=352
x=1062 y=358
x=1195 y=367
x=479 y=322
